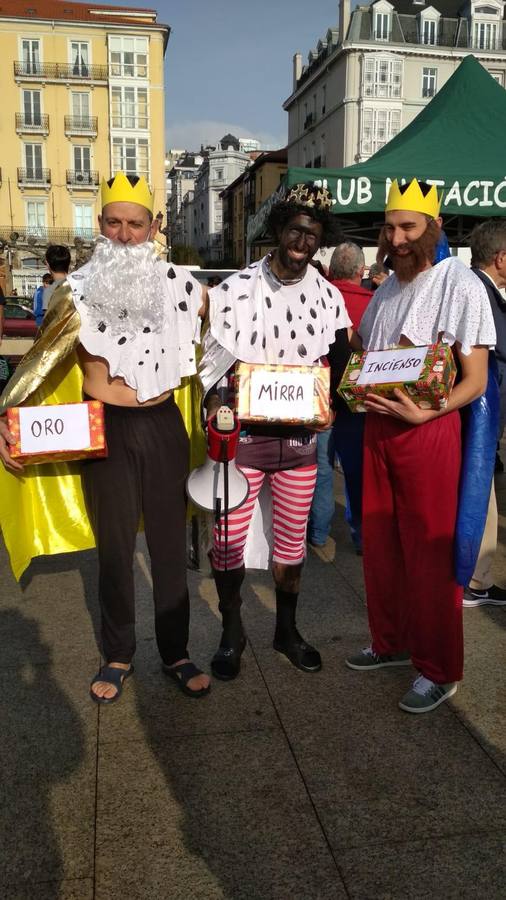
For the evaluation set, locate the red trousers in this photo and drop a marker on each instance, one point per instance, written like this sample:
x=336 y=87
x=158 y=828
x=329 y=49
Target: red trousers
x=411 y=477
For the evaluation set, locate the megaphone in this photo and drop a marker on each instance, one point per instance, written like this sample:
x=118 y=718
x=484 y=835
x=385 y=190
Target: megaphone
x=218 y=486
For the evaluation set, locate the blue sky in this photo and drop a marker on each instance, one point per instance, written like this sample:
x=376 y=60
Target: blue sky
x=229 y=64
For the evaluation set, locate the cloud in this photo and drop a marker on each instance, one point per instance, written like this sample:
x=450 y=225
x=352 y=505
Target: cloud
x=191 y=135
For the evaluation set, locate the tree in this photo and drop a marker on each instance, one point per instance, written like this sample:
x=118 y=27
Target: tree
x=183 y=255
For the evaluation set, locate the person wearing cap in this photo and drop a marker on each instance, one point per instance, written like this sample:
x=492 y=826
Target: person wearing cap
x=133 y=321
x=281 y=311
x=412 y=455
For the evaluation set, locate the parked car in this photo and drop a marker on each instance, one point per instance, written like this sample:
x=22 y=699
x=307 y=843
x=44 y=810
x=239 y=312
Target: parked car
x=19 y=330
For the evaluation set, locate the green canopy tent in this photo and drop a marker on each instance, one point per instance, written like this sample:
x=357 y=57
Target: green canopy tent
x=456 y=142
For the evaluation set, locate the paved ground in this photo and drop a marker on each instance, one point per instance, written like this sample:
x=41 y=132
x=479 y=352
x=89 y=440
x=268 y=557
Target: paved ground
x=280 y=786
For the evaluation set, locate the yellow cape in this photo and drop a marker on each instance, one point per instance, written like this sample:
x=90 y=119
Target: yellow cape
x=42 y=511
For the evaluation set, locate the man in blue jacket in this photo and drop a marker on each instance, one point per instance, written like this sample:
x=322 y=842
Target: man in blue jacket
x=488 y=260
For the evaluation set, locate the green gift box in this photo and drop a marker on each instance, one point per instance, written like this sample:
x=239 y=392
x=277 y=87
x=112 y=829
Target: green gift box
x=426 y=374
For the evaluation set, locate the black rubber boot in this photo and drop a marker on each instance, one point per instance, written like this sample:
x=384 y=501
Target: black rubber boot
x=287 y=639
x=226 y=662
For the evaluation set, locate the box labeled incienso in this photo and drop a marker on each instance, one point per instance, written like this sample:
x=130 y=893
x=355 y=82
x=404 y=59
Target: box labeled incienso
x=426 y=374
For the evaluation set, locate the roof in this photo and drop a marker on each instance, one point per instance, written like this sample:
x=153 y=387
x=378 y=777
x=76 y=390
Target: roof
x=61 y=10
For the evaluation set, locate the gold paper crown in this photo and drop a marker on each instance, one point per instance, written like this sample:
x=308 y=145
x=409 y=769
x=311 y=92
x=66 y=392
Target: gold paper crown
x=121 y=191
x=413 y=199
x=310 y=195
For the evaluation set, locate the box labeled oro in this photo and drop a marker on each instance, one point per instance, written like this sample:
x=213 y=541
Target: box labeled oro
x=57 y=433
x=426 y=374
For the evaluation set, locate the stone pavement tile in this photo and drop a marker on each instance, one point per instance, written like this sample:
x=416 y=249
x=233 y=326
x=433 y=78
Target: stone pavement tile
x=376 y=773
x=208 y=817
x=48 y=774
x=441 y=868
x=73 y=889
x=240 y=705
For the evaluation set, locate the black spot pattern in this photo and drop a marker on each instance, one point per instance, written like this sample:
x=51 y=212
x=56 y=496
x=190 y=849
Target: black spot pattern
x=122 y=340
x=227 y=325
x=301 y=350
x=243 y=296
x=281 y=353
x=237 y=334
x=253 y=337
x=313 y=313
x=329 y=292
x=302 y=298
x=163 y=351
x=324 y=304
x=188 y=287
x=268 y=302
x=141 y=362
x=244 y=276
x=101 y=327
x=289 y=316
x=146 y=330
x=263 y=342
x=123 y=314
x=146 y=351
x=183 y=306
x=224 y=287
x=293 y=335
x=255 y=317
x=310 y=329
x=337 y=312
x=276 y=331
x=226 y=309
x=318 y=282
x=171 y=273
x=157 y=367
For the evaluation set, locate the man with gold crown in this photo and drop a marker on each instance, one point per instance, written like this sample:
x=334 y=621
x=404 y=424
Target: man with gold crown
x=121 y=330
x=412 y=456
x=278 y=311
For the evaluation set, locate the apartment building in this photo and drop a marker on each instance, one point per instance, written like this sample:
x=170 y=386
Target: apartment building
x=370 y=75
x=83 y=96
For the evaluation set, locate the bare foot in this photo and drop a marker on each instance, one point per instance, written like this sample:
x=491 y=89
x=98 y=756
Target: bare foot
x=102 y=688
x=198 y=682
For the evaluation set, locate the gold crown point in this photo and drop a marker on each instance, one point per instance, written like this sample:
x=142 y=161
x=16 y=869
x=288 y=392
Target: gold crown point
x=413 y=199
x=121 y=191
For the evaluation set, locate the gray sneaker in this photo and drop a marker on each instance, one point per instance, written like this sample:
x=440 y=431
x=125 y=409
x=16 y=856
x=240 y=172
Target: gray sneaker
x=425 y=695
x=494 y=595
x=367 y=659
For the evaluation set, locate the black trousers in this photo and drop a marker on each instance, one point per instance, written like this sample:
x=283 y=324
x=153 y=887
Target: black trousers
x=144 y=473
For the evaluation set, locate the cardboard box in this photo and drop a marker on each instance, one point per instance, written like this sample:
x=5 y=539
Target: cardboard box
x=58 y=433
x=283 y=395
x=426 y=374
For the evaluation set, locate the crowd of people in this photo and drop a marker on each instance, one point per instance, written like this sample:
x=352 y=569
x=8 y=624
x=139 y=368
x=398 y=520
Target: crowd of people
x=129 y=324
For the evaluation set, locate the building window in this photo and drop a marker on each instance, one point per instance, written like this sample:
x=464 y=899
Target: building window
x=219 y=174
x=323 y=151
x=129 y=107
x=498 y=76
x=128 y=57
x=83 y=219
x=485 y=35
x=429 y=82
x=31 y=57
x=35 y=217
x=382 y=77
x=324 y=99
x=33 y=161
x=378 y=127
x=80 y=103
x=130 y=155
x=82 y=159
x=79 y=58
x=382 y=26
x=31 y=108
x=429 y=31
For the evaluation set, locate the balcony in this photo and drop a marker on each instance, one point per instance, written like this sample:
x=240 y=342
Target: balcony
x=32 y=124
x=81 y=125
x=62 y=72
x=77 y=180
x=34 y=177
x=22 y=234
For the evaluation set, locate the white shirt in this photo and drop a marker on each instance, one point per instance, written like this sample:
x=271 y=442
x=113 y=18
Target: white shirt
x=445 y=302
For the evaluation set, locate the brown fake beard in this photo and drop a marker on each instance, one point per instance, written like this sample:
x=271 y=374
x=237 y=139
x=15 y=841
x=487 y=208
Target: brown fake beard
x=422 y=251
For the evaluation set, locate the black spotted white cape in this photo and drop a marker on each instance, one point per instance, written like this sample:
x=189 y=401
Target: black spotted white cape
x=150 y=361
x=255 y=320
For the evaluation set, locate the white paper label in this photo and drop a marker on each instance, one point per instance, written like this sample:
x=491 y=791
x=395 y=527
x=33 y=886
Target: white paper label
x=386 y=366
x=282 y=395
x=53 y=428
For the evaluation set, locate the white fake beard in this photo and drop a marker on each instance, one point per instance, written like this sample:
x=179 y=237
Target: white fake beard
x=122 y=291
